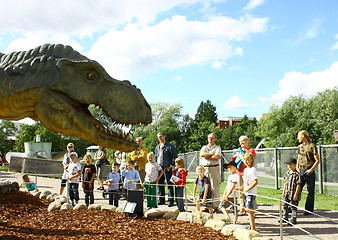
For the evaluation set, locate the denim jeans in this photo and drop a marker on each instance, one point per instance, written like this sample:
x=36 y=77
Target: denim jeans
x=179 y=198
x=161 y=189
x=310 y=181
x=74 y=191
x=114 y=196
x=89 y=194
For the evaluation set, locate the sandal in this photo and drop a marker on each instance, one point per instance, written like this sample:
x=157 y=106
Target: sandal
x=225 y=219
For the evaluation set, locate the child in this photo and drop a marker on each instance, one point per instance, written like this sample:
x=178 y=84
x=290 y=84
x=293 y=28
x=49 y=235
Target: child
x=28 y=183
x=206 y=194
x=179 y=178
x=131 y=176
x=152 y=177
x=250 y=190
x=88 y=175
x=229 y=195
x=291 y=191
x=113 y=181
x=74 y=172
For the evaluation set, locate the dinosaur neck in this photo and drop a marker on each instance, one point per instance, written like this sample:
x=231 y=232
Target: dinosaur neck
x=20 y=105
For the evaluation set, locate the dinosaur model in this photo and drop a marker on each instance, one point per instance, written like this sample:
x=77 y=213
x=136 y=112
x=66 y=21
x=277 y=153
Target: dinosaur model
x=55 y=84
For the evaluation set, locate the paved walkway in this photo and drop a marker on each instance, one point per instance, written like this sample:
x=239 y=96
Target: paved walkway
x=266 y=225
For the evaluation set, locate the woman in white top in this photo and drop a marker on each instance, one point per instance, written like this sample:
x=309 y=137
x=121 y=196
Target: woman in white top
x=65 y=163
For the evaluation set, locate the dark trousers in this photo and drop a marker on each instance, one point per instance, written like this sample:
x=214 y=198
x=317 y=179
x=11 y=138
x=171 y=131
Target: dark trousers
x=310 y=181
x=89 y=194
x=286 y=207
x=179 y=198
x=161 y=189
x=74 y=191
x=114 y=196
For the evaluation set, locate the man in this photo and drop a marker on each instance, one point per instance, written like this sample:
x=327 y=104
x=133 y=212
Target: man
x=209 y=159
x=139 y=156
x=165 y=155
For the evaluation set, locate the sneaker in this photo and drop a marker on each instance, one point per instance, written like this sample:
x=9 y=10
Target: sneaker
x=225 y=219
x=161 y=203
x=170 y=205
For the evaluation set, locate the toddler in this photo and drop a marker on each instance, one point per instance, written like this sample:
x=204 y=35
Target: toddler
x=179 y=179
x=28 y=183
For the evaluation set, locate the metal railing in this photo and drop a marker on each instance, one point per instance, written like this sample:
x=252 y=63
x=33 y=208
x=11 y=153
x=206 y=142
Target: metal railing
x=271 y=167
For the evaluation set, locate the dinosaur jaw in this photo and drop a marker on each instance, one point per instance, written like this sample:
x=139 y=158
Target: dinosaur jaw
x=71 y=118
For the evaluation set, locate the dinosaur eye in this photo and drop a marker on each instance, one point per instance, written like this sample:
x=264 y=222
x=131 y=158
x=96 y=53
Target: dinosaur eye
x=91 y=76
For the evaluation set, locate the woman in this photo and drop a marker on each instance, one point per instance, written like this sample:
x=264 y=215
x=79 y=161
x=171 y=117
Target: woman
x=244 y=141
x=308 y=161
x=65 y=162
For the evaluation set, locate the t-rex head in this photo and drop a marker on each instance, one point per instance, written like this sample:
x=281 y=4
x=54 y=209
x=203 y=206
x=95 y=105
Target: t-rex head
x=64 y=106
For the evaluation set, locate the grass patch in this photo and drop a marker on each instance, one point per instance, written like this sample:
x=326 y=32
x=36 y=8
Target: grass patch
x=322 y=201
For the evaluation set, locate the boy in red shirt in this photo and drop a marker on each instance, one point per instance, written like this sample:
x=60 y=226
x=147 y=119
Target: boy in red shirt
x=179 y=179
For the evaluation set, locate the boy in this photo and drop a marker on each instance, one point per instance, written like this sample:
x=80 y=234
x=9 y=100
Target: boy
x=113 y=181
x=291 y=191
x=250 y=186
x=152 y=177
x=206 y=194
x=131 y=176
x=179 y=179
x=88 y=175
x=229 y=195
x=74 y=172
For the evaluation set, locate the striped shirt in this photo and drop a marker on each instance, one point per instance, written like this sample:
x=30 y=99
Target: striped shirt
x=291 y=179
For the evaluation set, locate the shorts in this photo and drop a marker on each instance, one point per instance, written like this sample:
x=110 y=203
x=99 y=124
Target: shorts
x=249 y=201
x=30 y=186
x=208 y=201
x=63 y=182
x=100 y=171
x=226 y=204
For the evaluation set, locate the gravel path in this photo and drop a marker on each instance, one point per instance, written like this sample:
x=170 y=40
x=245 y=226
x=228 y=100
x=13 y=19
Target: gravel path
x=266 y=225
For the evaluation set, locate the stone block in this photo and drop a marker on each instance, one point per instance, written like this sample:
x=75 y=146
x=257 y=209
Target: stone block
x=200 y=217
x=44 y=194
x=109 y=208
x=54 y=206
x=66 y=206
x=184 y=216
x=215 y=224
x=94 y=207
x=230 y=230
x=80 y=206
x=244 y=234
x=171 y=214
x=154 y=213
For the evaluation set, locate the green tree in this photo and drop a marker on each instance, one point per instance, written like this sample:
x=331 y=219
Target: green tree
x=7 y=129
x=206 y=112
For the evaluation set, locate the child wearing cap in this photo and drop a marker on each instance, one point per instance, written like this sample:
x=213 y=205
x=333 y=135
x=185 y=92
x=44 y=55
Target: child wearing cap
x=74 y=172
x=291 y=191
x=229 y=194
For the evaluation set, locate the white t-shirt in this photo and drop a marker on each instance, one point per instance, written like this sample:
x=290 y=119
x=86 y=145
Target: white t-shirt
x=73 y=169
x=249 y=175
x=65 y=159
x=152 y=170
x=233 y=178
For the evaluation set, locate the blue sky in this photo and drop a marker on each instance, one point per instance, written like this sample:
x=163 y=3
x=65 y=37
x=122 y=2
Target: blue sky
x=243 y=55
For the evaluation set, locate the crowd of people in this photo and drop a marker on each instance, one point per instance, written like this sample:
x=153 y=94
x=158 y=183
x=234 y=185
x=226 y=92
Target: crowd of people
x=162 y=168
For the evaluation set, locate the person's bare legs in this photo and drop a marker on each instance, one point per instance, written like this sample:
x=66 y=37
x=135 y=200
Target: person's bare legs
x=225 y=212
x=61 y=190
x=211 y=211
x=198 y=205
x=251 y=219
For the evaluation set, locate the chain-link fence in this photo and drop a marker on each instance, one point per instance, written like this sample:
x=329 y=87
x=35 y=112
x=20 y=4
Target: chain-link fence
x=271 y=166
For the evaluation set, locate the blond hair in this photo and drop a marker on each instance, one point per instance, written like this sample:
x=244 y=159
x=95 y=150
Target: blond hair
x=150 y=154
x=250 y=156
x=245 y=138
x=305 y=134
x=200 y=167
x=88 y=156
x=180 y=161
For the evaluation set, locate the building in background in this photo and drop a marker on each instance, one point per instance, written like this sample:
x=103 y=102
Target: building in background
x=229 y=121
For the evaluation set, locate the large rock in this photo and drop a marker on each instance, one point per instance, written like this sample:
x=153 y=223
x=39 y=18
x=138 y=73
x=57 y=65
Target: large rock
x=109 y=208
x=200 y=217
x=215 y=224
x=230 y=230
x=15 y=186
x=52 y=196
x=80 y=206
x=94 y=207
x=66 y=206
x=245 y=234
x=154 y=213
x=44 y=194
x=4 y=187
x=61 y=199
x=184 y=216
x=36 y=193
x=171 y=214
x=54 y=206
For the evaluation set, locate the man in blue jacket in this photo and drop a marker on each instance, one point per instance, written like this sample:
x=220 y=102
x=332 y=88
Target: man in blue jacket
x=165 y=155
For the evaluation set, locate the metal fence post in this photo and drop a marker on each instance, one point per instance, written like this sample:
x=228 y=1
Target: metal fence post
x=276 y=167
x=320 y=169
x=281 y=219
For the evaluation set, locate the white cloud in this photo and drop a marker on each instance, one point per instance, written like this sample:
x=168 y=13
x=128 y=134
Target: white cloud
x=237 y=68
x=177 y=78
x=313 y=31
x=252 y=4
x=335 y=46
x=296 y=83
x=173 y=43
x=235 y=103
x=218 y=64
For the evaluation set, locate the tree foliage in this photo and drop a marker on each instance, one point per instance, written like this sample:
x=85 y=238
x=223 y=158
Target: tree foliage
x=7 y=129
x=206 y=112
x=318 y=115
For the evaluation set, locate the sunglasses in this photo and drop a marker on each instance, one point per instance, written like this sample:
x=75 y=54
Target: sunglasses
x=69 y=147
